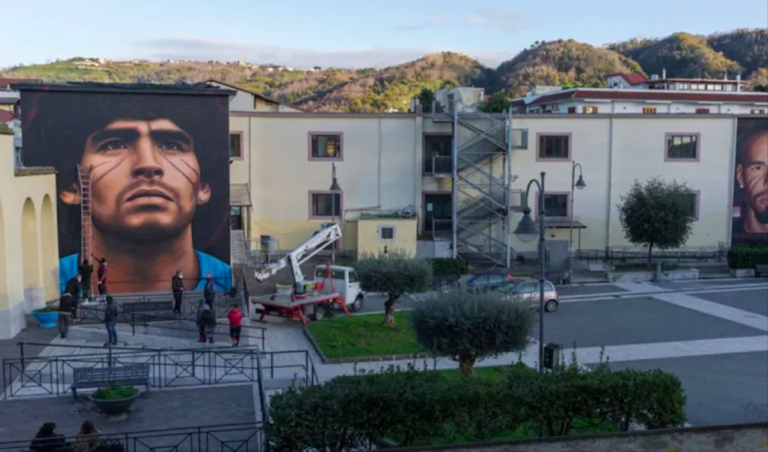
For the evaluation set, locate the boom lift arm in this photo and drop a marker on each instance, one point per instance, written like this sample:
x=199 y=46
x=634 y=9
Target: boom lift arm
x=326 y=236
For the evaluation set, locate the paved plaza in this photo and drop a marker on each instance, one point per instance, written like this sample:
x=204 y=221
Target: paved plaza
x=712 y=334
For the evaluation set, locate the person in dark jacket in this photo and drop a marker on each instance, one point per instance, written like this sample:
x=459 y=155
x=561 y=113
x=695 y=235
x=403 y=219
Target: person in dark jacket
x=102 y=274
x=66 y=305
x=206 y=322
x=74 y=286
x=47 y=440
x=86 y=270
x=110 y=322
x=177 y=286
x=209 y=292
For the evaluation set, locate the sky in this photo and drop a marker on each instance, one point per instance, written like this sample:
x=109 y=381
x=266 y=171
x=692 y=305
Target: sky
x=342 y=33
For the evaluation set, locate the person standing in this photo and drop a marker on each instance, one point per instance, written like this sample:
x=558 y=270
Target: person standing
x=102 y=274
x=110 y=322
x=66 y=304
x=73 y=287
x=177 y=286
x=86 y=270
x=235 y=324
x=209 y=292
x=203 y=311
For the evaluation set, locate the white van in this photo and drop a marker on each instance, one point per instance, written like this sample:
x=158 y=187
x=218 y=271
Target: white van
x=345 y=283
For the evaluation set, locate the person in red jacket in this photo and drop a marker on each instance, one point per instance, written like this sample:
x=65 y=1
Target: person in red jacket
x=235 y=324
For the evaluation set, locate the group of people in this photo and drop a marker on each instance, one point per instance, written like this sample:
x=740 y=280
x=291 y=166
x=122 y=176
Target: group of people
x=87 y=440
x=206 y=323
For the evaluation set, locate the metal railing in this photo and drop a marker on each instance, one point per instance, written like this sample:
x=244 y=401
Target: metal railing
x=623 y=255
x=244 y=437
x=168 y=368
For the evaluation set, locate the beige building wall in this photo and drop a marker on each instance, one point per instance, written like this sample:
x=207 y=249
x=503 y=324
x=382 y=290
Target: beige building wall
x=371 y=238
x=28 y=239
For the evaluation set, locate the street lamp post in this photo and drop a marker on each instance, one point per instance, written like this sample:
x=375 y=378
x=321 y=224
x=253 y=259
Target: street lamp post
x=528 y=227
x=335 y=189
x=580 y=184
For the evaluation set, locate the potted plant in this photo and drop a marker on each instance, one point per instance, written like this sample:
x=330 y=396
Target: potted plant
x=114 y=398
x=47 y=316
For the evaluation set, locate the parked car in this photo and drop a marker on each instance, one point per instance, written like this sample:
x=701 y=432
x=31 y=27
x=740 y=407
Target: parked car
x=485 y=282
x=527 y=291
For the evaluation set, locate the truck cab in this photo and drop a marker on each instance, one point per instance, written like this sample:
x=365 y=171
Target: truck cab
x=345 y=283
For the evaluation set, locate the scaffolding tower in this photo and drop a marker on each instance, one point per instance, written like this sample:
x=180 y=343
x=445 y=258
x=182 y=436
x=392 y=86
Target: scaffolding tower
x=482 y=196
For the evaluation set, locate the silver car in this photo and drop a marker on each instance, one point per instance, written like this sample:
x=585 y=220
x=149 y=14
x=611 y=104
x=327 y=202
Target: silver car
x=527 y=291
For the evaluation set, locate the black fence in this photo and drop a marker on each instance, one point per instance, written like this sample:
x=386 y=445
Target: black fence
x=245 y=437
x=168 y=368
x=614 y=256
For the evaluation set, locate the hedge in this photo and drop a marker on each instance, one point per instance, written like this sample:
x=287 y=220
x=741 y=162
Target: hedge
x=449 y=267
x=744 y=256
x=419 y=408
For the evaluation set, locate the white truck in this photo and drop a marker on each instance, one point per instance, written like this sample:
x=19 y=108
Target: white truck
x=332 y=285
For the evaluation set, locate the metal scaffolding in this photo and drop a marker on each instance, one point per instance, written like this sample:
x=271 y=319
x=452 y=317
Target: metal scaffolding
x=482 y=176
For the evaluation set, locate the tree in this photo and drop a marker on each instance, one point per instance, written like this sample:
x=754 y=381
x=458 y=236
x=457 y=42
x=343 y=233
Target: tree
x=394 y=274
x=498 y=102
x=466 y=327
x=657 y=214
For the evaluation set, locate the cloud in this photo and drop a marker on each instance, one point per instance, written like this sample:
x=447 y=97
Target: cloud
x=219 y=50
x=501 y=19
x=427 y=24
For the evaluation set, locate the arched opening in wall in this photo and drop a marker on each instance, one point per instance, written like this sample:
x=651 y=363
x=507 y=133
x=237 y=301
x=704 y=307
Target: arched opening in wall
x=50 y=250
x=3 y=263
x=30 y=255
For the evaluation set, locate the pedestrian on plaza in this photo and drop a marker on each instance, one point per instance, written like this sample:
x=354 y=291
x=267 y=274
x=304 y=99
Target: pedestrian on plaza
x=102 y=274
x=209 y=291
x=202 y=306
x=235 y=324
x=207 y=323
x=86 y=270
x=110 y=322
x=88 y=439
x=66 y=305
x=177 y=287
x=73 y=287
x=47 y=440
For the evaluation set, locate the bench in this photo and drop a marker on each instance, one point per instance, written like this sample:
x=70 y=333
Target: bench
x=97 y=377
x=761 y=269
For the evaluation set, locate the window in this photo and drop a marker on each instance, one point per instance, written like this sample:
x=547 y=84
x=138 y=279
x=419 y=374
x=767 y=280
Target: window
x=556 y=204
x=387 y=233
x=682 y=147
x=236 y=145
x=702 y=111
x=649 y=110
x=757 y=112
x=325 y=146
x=325 y=204
x=589 y=110
x=571 y=109
x=438 y=149
x=353 y=277
x=554 y=147
x=692 y=202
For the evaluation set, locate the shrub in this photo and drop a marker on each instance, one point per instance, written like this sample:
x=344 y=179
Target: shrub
x=466 y=327
x=449 y=267
x=394 y=274
x=114 y=391
x=48 y=308
x=744 y=256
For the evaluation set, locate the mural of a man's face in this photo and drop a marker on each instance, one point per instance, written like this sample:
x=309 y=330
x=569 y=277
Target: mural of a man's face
x=145 y=180
x=752 y=175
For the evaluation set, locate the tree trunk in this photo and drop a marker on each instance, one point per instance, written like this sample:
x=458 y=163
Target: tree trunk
x=389 y=313
x=467 y=366
x=650 y=254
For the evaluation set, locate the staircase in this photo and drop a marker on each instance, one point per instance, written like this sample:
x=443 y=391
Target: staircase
x=86 y=226
x=238 y=247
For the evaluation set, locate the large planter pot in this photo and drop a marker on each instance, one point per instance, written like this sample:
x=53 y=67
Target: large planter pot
x=114 y=407
x=47 y=319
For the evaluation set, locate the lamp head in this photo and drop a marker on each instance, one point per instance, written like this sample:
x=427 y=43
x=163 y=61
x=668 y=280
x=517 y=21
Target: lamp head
x=526 y=226
x=580 y=183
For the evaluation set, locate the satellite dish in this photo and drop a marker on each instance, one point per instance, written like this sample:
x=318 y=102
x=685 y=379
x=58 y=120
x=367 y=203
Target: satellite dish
x=408 y=212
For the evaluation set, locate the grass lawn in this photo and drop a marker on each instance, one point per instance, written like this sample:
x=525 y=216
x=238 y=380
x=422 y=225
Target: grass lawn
x=364 y=335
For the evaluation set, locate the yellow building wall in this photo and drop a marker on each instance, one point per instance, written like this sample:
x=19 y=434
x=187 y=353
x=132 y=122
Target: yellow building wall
x=369 y=241
x=29 y=258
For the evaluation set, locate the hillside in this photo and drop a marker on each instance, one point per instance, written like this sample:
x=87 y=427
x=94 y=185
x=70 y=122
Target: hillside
x=565 y=63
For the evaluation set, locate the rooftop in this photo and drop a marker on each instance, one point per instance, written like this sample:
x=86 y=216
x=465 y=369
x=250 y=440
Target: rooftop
x=636 y=94
x=143 y=88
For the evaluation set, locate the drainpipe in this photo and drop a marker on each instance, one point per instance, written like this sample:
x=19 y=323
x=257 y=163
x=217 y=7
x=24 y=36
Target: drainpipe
x=610 y=183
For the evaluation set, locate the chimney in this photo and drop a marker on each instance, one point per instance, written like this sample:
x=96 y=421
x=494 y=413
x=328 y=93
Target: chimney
x=664 y=74
x=738 y=82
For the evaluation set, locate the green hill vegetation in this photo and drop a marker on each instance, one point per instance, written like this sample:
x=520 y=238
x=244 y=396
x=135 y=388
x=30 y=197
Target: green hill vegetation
x=566 y=63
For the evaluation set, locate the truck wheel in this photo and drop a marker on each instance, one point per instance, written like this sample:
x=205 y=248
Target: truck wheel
x=357 y=305
x=318 y=313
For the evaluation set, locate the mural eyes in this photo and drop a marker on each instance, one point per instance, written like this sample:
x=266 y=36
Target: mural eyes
x=171 y=146
x=112 y=145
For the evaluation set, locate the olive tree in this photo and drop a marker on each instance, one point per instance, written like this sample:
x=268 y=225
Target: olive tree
x=394 y=274
x=466 y=327
x=657 y=213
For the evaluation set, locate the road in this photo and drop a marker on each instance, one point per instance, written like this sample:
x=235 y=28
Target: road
x=712 y=334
